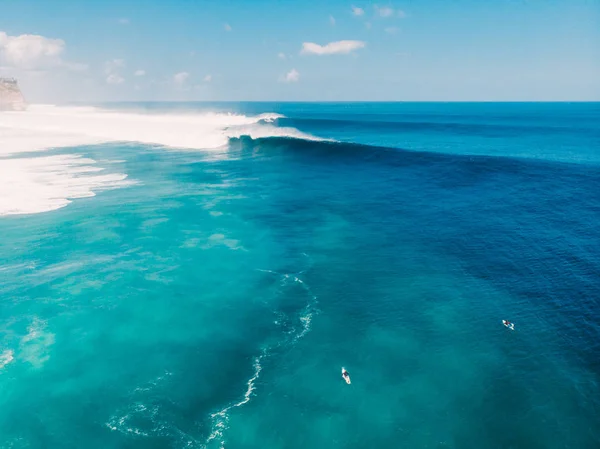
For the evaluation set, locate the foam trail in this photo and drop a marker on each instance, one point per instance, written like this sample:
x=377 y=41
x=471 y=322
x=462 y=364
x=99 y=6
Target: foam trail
x=308 y=311
x=220 y=419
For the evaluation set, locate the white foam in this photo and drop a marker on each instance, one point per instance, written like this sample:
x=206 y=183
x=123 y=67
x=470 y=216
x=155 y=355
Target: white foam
x=47 y=126
x=120 y=424
x=263 y=131
x=153 y=420
x=41 y=184
x=6 y=357
x=220 y=239
x=35 y=346
x=220 y=418
x=21 y=140
x=18 y=267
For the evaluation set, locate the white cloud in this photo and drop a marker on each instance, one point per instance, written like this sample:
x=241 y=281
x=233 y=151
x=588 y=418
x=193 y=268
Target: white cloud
x=292 y=76
x=227 y=27
x=124 y=21
x=140 y=73
x=75 y=66
x=391 y=30
x=332 y=48
x=384 y=11
x=111 y=70
x=401 y=14
x=33 y=52
x=208 y=78
x=332 y=20
x=180 y=78
x=357 y=11
x=112 y=65
x=281 y=55
x=114 y=79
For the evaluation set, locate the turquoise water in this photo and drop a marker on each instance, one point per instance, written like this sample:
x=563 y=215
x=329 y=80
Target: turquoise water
x=214 y=302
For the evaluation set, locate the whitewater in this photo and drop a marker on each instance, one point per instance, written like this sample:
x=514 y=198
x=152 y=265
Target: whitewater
x=33 y=183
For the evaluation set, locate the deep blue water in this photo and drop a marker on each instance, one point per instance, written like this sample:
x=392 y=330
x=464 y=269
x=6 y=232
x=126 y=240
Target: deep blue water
x=214 y=303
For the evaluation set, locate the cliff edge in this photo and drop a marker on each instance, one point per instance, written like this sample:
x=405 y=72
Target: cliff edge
x=11 y=98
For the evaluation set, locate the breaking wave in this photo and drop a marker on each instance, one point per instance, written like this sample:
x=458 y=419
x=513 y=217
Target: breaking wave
x=47 y=126
x=33 y=184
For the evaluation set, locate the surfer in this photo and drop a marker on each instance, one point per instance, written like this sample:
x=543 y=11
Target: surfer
x=508 y=324
x=346 y=376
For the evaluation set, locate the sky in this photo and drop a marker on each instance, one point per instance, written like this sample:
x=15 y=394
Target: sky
x=303 y=50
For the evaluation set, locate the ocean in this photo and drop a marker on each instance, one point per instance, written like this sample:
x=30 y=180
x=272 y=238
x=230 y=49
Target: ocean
x=195 y=275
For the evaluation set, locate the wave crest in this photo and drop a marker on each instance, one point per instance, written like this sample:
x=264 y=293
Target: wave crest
x=48 y=126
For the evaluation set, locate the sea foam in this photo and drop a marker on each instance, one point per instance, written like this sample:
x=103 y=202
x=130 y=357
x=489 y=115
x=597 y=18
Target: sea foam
x=6 y=357
x=35 y=184
x=41 y=184
x=68 y=126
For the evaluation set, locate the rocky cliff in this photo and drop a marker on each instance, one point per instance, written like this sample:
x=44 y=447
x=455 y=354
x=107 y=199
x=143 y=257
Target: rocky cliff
x=11 y=98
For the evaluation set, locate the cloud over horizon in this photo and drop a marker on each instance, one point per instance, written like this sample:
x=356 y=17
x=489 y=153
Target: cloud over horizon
x=115 y=79
x=356 y=11
x=112 y=71
x=292 y=76
x=384 y=11
x=180 y=78
x=34 y=52
x=332 y=48
x=387 y=11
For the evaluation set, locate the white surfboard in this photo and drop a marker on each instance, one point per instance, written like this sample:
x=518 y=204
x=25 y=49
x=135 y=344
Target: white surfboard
x=346 y=377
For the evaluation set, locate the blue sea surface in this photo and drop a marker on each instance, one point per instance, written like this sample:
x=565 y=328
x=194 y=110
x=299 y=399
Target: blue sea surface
x=213 y=303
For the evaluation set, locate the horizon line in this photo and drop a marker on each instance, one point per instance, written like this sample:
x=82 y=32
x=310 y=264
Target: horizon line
x=334 y=101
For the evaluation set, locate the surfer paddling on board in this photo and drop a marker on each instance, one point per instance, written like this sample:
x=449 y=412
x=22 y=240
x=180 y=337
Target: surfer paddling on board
x=346 y=376
x=508 y=324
